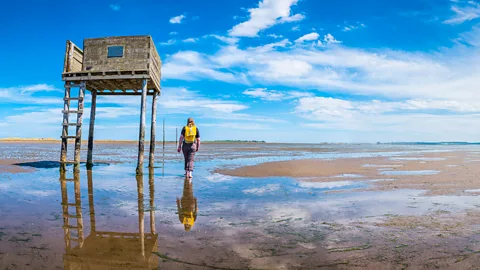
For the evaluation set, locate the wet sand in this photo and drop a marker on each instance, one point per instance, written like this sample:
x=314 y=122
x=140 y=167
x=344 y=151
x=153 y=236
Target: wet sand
x=449 y=173
x=272 y=215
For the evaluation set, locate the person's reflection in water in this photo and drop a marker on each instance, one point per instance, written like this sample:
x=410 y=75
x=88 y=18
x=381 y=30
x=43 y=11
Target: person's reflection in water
x=105 y=249
x=187 y=206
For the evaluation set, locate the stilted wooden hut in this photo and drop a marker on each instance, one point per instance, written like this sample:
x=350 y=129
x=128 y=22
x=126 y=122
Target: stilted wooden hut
x=114 y=66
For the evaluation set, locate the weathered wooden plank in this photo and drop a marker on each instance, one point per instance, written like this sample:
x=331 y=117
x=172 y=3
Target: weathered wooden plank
x=69 y=137
x=93 y=108
x=141 y=139
x=72 y=111
x=85 y=77
x=69 y=98
x=122 y=94
x=151 y=159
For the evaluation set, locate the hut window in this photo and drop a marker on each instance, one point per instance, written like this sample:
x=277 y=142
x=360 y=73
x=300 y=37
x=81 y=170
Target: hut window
x=115 y=51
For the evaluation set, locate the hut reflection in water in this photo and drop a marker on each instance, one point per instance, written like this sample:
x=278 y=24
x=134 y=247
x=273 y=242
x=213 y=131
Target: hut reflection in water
x=106 y=249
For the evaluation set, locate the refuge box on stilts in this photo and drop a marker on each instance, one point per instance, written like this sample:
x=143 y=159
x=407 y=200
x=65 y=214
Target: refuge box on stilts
x=111 y=66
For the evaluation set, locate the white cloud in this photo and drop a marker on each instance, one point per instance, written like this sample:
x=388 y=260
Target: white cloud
x=296 y=28
x=23 y=94
x=273 y=95
x=168 y=43
x=115 y=7
x=294 y=18
x=410 y=120
x=177 y=19
x=173 y=33
x=275 y=36
x=190 y=40
x=267 y=14
x=228 y=40
x=351 y=27
x=182 y=99
x=239 y=125
x=37 y=88
x=190 y=65
x=329 y=39
x=264 y=94
x=307 y=37
x=468 y=12
x=46 y=116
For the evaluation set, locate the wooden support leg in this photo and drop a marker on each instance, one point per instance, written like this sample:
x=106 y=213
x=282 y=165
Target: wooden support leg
x=141 y=139
x=93 y=108
x=66 y=107
x=151 y=159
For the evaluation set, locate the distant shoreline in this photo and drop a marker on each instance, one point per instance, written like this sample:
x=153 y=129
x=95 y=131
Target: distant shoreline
x=51 y=140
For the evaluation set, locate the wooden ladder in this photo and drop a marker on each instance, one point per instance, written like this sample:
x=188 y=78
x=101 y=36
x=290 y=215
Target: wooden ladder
x=66 y=205
x=65 y=125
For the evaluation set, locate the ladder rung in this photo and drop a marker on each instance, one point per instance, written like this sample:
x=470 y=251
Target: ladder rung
x=72 y=85
x=71 y=216
x=71 y=227
x=72 y=111
x=69 y=137
x=71 y=204
x=71 y=124
x=73 y=239
x=73 y=98
x=71 y=162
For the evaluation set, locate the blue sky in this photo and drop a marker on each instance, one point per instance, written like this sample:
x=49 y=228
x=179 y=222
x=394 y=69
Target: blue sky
x=274 y=70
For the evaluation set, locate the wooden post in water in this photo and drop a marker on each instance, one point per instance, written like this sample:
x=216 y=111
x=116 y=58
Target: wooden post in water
x=153 y=127
x=93 y=108
x=141 y=137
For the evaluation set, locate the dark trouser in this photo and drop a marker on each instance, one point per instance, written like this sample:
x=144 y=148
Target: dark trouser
x=189 y=155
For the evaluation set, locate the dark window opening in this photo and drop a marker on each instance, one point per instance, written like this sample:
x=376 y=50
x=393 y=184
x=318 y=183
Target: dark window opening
x=115 y=51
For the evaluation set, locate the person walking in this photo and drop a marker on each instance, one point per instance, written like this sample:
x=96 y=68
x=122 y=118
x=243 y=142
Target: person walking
x=189 y=143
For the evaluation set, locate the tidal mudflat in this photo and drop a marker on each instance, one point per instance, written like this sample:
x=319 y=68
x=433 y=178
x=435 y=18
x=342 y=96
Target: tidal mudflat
x=249 y=206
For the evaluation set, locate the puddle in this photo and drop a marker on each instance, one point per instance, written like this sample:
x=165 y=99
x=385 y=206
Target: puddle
x=346 y=175
x=382 y=165
x=417 y=158
x=338 y=185
x=420 y=172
